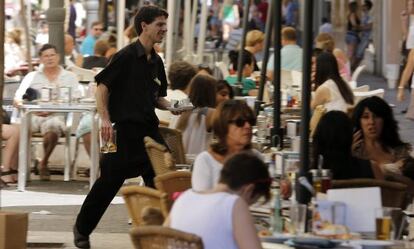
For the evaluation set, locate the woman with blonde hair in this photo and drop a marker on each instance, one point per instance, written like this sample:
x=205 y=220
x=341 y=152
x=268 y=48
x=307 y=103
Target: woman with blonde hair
x=254 y=44
x=13 y=51
x=326 y=42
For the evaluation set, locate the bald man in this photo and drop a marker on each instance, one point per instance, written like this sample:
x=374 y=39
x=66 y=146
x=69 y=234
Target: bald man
x=72 y=58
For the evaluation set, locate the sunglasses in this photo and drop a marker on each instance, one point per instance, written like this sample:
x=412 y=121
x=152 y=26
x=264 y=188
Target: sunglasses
x=239 y=122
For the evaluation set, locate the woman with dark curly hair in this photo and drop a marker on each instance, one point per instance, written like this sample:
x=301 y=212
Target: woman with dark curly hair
x=335 y=147
x=377 y=138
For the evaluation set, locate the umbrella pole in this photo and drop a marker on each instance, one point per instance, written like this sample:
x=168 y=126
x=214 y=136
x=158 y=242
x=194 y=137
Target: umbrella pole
x=302 y=194
x=277 y=131
x=267 y=43
x=243 y=43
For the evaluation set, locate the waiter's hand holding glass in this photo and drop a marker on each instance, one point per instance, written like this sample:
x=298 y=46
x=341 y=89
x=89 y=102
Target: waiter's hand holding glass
x=107 y=139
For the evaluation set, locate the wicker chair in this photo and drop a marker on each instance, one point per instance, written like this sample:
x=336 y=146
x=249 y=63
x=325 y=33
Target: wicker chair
x=173 y=182
x=393 y=194
x=173 y=139
x=137 y=198
x=164 y=123
x=154 y=237
x=320 y=110
x=161 y=159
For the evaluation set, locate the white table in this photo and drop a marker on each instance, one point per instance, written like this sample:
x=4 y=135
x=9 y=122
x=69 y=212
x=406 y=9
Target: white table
x=27 y=109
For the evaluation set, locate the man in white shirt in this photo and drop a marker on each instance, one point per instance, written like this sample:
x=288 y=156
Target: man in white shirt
x=291 y=53
x=180 y=74
x=50 y=75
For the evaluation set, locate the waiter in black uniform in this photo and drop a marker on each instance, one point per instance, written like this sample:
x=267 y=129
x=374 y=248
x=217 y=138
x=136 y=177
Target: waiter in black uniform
x=130 y=87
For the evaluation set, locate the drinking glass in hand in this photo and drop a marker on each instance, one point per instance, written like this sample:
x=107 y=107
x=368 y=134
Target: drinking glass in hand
x=108 y=146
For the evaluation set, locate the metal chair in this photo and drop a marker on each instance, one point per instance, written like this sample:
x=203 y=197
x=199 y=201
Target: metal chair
x=37 y=139
x=151 y=237
x=358 y=96
x=82 y=73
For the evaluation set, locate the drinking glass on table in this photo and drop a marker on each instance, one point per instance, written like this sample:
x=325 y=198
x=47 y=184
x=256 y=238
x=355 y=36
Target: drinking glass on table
x=297 y=218
x=387 y=221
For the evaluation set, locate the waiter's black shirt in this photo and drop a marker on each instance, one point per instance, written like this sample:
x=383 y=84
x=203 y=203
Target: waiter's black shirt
x=134 y=85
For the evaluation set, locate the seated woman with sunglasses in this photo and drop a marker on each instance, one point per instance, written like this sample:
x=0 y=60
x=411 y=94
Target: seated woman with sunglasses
x=232 y=127
x=221 y=216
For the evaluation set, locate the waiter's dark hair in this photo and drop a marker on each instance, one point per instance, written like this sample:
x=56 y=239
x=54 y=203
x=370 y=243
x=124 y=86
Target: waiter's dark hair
x=148 y=14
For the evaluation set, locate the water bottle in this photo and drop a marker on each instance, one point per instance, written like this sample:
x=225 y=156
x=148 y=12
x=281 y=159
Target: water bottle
x=276 y=221
x=269 y=116
x=261 y=127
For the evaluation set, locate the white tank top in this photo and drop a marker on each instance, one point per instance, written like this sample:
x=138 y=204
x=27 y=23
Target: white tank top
x=337 y=102
x=195 y=136
x=208 y=215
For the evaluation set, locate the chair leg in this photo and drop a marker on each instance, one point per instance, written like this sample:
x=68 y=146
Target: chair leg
x=75 y=156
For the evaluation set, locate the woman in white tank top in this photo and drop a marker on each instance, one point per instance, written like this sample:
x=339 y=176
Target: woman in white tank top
x=195 y=124
x=221 y=216
x=331 y=90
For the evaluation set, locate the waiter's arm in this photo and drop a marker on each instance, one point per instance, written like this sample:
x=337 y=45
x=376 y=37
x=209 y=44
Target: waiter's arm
x=102 y=106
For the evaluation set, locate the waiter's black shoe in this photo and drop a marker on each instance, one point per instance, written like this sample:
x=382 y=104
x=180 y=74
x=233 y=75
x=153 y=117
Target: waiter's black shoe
x=404 y=111
x=81 y=241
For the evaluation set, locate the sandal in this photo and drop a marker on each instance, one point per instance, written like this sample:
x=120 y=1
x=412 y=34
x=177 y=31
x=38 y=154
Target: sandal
x=3 y=184
x=44 y=174
x=8 y=173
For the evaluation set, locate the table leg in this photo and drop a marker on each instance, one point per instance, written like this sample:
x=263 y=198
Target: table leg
x=23 y=151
